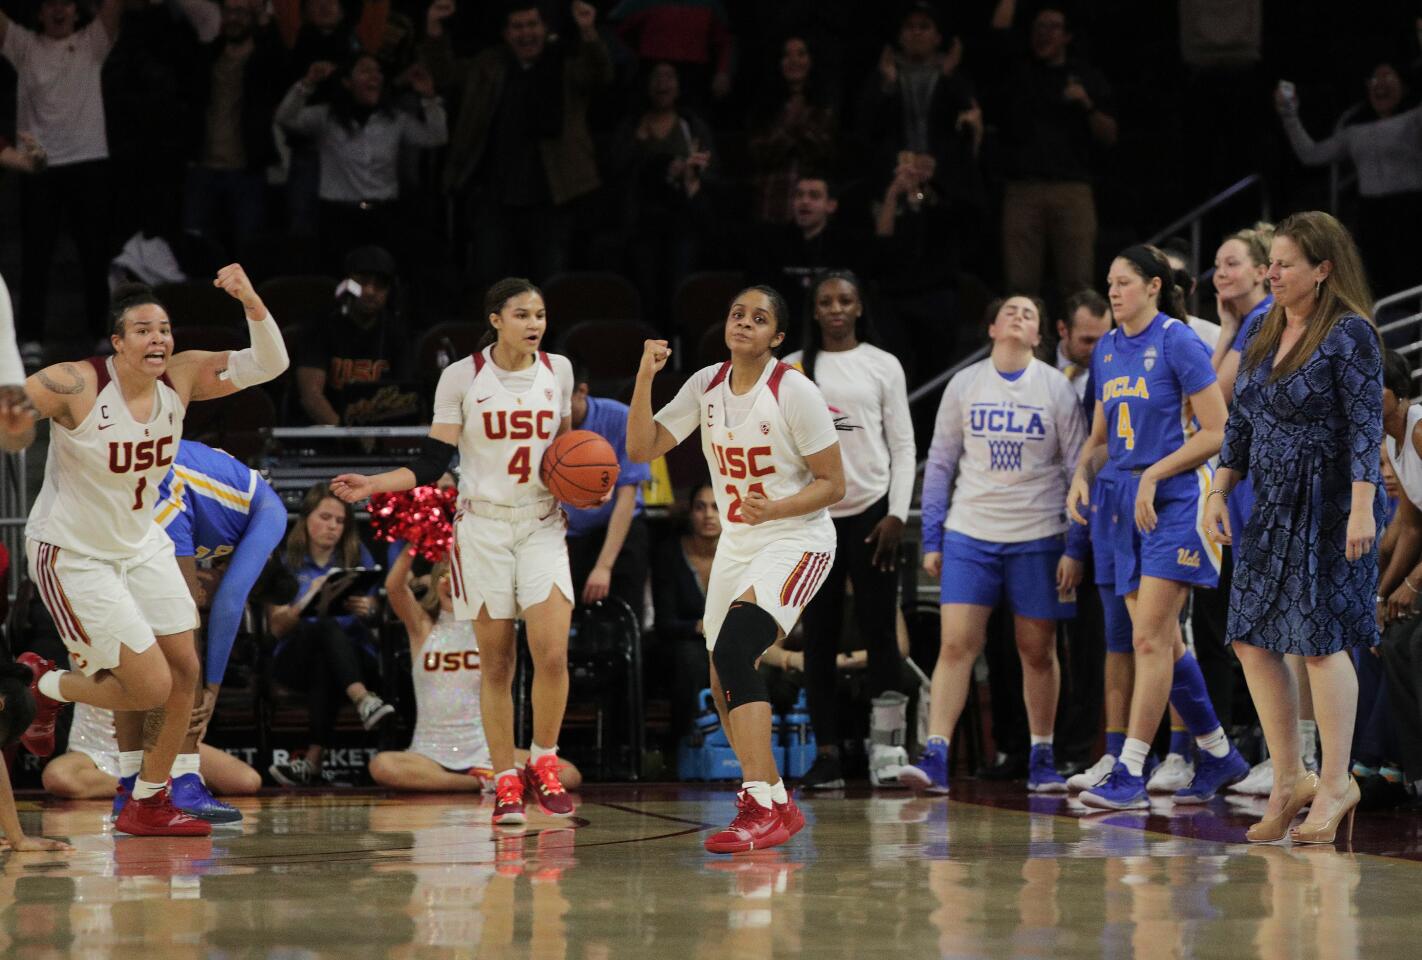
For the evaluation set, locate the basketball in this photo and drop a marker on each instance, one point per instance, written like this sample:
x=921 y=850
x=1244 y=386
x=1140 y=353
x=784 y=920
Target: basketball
x=578 y=468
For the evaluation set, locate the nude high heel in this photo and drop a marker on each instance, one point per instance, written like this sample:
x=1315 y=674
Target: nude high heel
x=1273 y=829
x=1326 y=832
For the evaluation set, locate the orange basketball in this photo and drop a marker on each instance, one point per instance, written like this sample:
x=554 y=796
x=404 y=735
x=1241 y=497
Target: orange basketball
x=578 y=468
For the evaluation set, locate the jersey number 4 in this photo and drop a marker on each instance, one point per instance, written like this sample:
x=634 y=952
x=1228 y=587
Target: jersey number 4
x=733 y=513
x=1123 y=426
x=519 y=464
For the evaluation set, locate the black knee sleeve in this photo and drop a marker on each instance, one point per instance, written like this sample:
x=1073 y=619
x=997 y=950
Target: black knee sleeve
x=747 y=632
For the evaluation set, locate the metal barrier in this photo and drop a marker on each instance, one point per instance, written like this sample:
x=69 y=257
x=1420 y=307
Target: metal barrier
x=294 y=459
x=1407 y=328
x=1196 y=217
x=14 y=510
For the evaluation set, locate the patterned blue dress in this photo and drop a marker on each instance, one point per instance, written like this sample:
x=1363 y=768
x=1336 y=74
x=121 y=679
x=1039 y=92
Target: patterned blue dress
x=1305 y=439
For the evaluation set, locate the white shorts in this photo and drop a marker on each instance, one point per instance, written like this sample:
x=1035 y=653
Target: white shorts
x=100 y=606
x=92 y=734
x=508 y=565
x=785 y=577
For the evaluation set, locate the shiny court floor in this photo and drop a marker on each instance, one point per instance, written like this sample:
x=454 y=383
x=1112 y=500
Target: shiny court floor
x=988 y=873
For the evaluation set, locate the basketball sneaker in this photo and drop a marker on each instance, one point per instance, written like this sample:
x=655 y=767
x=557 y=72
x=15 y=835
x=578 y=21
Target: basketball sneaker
x=297 y=773
x=1119 y=791
x=39 y=738
x=541 y=778
x=930 y=773
x=373 y=711
x=885 y=765
x=1093 y=774
x=1213 y=774
x=156 y=816
x=1042 y=775
x=122 y=792
x=1259 y=783
x=191 y=795
x=754 y=827
x=508 y=801
x=1175 y=773
x=824 y=774
x=791 y=816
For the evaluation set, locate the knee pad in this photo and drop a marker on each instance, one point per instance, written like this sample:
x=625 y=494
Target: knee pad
x=746 y=633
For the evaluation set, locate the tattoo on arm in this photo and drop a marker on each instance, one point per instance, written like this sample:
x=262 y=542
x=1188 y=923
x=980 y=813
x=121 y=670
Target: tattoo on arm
x=61 y=387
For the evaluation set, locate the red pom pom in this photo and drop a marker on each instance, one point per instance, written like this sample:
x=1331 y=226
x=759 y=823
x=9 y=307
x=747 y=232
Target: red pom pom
x=423 y=516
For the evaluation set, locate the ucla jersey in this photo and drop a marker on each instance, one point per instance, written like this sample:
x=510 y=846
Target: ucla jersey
x=205 y=502
x=1142 y=383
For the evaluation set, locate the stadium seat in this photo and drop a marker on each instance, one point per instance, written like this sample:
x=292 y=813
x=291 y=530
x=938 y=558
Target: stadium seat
x=233 y=423
x=457 y=339
x=701 y=302
x=610 y=350
x=198 y=303
x=304 y=299
x=592 y=295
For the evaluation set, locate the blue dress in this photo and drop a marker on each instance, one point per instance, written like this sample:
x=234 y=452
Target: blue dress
x=1305 y=439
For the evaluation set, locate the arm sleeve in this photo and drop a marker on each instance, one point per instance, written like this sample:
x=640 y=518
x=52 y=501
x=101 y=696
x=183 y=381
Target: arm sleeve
x=1189 y=358
x=943 y=454
x=294 y=115
x=898 y=432
x=454 y=383
x=1356 y=362
x=429 y=129
x=264 y=531
x=1311 y=152
x=682 y=415
x=807 y=414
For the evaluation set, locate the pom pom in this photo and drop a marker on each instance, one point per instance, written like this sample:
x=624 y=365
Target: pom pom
x=424 y=517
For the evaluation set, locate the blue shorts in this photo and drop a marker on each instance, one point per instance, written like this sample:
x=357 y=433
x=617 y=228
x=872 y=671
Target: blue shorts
x=1177 y=549
x=982 y=573
x=1117 y=619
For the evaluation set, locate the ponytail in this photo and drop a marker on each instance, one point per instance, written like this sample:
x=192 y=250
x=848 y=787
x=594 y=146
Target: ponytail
x=1150 y=262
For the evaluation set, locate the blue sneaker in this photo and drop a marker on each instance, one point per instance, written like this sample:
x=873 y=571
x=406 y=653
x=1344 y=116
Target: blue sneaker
x=122 y=793
x=1042 y=775
x=1213 y=774
x=1119 y=791
x=190 y=795
x=930 y=773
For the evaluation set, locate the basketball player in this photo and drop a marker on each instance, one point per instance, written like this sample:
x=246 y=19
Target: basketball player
x=503 y=406
x=1146 y=521
x=106 y=572
x=770 y=442
x=448 y=752
x=1011 y=428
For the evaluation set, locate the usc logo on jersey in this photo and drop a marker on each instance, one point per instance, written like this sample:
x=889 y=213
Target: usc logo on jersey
x=518 y=424
x=739 y=462
x=451 y=660
x=143 y=455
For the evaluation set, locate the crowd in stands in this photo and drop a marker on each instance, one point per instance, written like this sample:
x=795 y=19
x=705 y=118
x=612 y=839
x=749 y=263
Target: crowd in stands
x=894 y=162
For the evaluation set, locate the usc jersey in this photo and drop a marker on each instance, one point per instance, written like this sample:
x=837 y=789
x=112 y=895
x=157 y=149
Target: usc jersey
x=101 y=479
x=757 y=443
x=509 y=418
x=446 y=678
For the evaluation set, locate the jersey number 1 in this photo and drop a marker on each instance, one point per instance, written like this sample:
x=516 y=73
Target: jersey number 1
x=1123 y=426
x=733 y=513
x=138 y=493
x=518 y=464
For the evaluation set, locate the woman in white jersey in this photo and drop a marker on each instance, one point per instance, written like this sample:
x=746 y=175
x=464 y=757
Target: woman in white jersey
x=772 y=449
x=448 y=752
x=503 y=406
x=106 y=571
x=865 y=389
x=1011 y=429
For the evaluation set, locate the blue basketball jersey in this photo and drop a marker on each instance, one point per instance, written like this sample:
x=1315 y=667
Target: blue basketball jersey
x=205 y=502
x=1142 y=383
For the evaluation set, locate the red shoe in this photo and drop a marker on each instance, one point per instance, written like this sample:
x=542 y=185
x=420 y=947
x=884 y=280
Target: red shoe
x=39 y=738
x=508 y=801
x=754 y=828
x=790 y=816
x=156 y=816
x=541 y=776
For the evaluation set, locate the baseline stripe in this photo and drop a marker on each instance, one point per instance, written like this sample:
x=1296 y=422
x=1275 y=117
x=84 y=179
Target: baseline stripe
x=788 y=587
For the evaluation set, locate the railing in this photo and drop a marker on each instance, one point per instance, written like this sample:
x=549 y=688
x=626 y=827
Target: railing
x=14 y=511
x=1195 y=218
x=1409 y=326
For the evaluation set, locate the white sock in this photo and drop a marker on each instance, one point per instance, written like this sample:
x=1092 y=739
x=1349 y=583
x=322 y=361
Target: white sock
x=1308 y=742
x=778 y=794
x=1036 y=740
x=760 y=790
x=1215 y=743
x=130 y=762
x=184 y=763
x=535 y=752
x=49 y=685
x=142 y=789
x=511 y=772
x=1133 y=755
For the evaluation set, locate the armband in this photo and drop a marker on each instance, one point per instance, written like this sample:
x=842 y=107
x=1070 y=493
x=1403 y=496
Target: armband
x=433 y=461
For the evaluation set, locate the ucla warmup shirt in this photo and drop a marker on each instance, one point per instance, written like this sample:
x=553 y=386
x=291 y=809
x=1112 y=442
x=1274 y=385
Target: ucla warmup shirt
x=212 y=505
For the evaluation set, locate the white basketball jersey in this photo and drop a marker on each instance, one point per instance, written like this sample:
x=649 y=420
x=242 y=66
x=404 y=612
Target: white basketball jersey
x=505 y=434
x=101 y=478
x=750 y=447
x=448 y=728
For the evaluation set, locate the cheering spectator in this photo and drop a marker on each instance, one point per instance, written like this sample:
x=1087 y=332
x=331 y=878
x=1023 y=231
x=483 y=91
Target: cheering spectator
x=325 y=653
x=679 y=578
x=26 y=157
x=792 y=130
x=358 y=346
x=608 y=546
x=1386 y=149
x=359 y=134
x=231 y=142
x=1053 y=109
x=521 y=151
x=663 y=157
x=692 y=35
x=61 y=105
